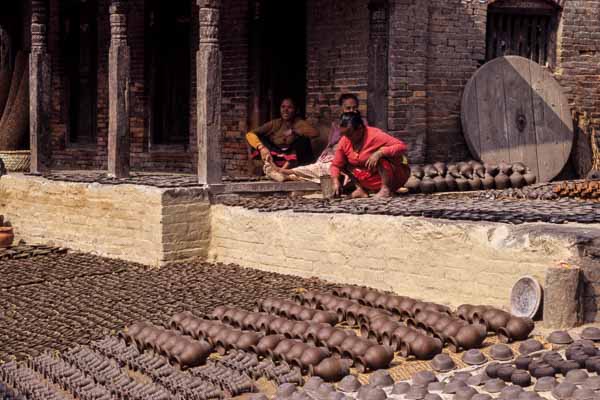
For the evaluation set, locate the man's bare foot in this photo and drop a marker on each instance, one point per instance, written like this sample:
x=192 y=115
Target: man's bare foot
x=384 y=193
x=359 y=193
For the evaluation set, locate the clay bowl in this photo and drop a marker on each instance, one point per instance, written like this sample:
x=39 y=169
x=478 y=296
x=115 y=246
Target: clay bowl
x=381 y=378
x=492 y=370
x=576 y=376
x=461 y=376
x=584 y=394
x=543 y=371
x=478 y=380
x=349 y=384
x=591 y=333
x=545 y=384
x=442 y=363
x=521 y=378
x=511 y=392
x=523 y=362
x=568 y=366
x=401 y=388
x=501 y=352
x=453 y=386
x=436 y=386
x=560 y=337
x=465 y=393
x=416 y=392
x=494 y=385
x=505 y=372
x=593 y=382
x=424 y=378
x=530 y=346
x=474 y=357
x=563 y=391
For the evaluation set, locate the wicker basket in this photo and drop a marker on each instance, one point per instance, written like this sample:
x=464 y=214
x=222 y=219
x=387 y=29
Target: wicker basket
x=16 y=161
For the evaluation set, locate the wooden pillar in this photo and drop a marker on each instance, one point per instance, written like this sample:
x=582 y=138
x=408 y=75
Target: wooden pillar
x=377 y=85
x=39 y=89
x=118 y=92
x=208 y=95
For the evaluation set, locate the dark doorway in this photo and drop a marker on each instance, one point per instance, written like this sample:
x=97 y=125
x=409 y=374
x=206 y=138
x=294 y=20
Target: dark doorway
x=279 y=56
x=168 y=52
x=79 y=39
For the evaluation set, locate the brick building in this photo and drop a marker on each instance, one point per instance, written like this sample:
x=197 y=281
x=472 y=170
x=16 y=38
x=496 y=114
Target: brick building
x=408 y=60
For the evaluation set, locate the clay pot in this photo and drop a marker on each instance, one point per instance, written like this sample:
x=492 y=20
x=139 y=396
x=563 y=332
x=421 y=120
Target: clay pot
x=359 y=348
x=406 y=306
x=474 y=357
x=325 y=317
x=295 y=352
x=560 y=337
x=476 y=313
x=475 y=183
x=488 y=182
x=246 y=341
x=530 y=178
x=313 y=356
x=413 y=184
x=495 y=319
x=176 y=319
x=427 y=185
x=451 y=183
x=193 y=354
x=468 y=337
x=132 y=331
x=463 y=310
x=266 y=344
x=530 y=346
x=463 y=184
x=324 y=333
x=505 y=372
x=442 y=363
x=7 y=236
x=336 y=338
x=377 y=357
x=423 y=348
x=452 y=329
x=505 y=168
x=491 y=169
x=393 y=303
x=440 y=167
x=440 y=184
x=516 y=329
x=299 y=330
x=501 y=181
x=348 y=344
x=591 y=333
x=430 y=171
x=286 y=328
x=282 y=348
x=331 y=369
x=417 y=171
x=466 y=170
x=478 y=169
x=501 y=352
x=517 y=180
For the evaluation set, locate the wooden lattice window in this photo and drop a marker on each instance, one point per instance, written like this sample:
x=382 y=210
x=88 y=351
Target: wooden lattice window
x=524 y=31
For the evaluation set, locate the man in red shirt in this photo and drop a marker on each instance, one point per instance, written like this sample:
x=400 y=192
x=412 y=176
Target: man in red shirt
x=374 y=159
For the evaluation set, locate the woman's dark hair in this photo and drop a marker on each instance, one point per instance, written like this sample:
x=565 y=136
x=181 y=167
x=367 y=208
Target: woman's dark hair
x=352 y=119
x=347 y=96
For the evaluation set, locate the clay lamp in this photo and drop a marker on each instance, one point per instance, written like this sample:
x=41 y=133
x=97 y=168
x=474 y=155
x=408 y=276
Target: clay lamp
x=424 y=377
x=505 y=372
x=501 y=352
x=453 y=386
x=436 y=386
x=494 y=385
x=416 y=392
x=465 y=393
x=560 y=337
x=349 y=384
x=521 y=378
x=401 y=388
x=563 y=391
x=545 y=384
x=593 y=382
x=584 y=394
x=442 y=363
x=478 y=380
x=591 y=333
x=481 y=396
x=530 y=346
x=522 y=362
x=474 y=357
x=381 y=378
x=576 y=376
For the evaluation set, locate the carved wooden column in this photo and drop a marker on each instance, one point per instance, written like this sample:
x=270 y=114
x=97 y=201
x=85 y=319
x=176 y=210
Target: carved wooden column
x=377 y=85
x=39 y=89
x=118 y=92
x=208 y=94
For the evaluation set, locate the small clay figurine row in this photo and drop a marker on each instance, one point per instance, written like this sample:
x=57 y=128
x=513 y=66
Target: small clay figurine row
x=230 y=380
x=292 y=310
x=27 y=384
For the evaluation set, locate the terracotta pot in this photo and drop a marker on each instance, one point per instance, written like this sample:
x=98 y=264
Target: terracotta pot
x=295 y=311
x=501 y=181
x=427 y=185
x=417 y=171
x=468 y=337
x=313 y=356
x=475 y=314
x=331 y=369
x=516 y=329
x=357 y=292
x=488 y=182
x=168 y=345
x=381 y=301
x=266 y=305
x=453 y=170
x=463 y=310
x=491 y=169
x=306 y=314
x=263 y=322
x=441 y=168
x=250 y=321
x=193 y=354
x=413 y=184
x=266 y=344
x=377 y=357
x=466 y=170
x=133 y=330
x=452 y=329
x=347 y=344
x=519 y=168
x=430 y=171
x=336 y=338
x=299 y=330
x=281 y=348
x=463 y=184
x=423 y=348
x=406 y=306
x=370 y=298
x=286 y=328
x=325 y=317
x=517 y=180
x=505 y=168
x=176 y=319
x=440 y=184
x=7 y=236
x=451 y=183
x=246 y=341
x=496 y=319
x=161 y=339
x=324 y=333
x=530 y=178
x=475 y=183
x=360 y=348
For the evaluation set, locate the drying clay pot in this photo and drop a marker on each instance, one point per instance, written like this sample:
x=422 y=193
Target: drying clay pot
x=423 y=347
x=545 y=384
x=593 y=382
x=441 y=168
x=501 y=352
x=478 y=380
x=442 y=363
x=591 y=333
x=377 y=357
x=576 y=376
x=432 y=396
x=481 y=396
x=492 y=370
x=568 y=366
x=543 y=371
x=416 y=392
x=530 y=346
x=453 y=386
x=488 y=182
x=521 y=378
x=7 y=236
x=494 y=385
x=451 y=183
x=584 y=394
x=465 y=393
x=501 y=181
x=285 y=390
x=517 y=328
x=331 y=369
x=440 y=184
x=424 y=377
x=517 y=180
x=530 y=178
x=463 y=184
x=523 y=362
x=349 y=384
x=511 y=392
x=461 y=376
x=436 y=386
x=381 y=378
x=563 y=391
x=417 y=171
x=413 y=184
x=376 y=394
x=495 y=319
x=474 y=357
x=401 y=388
x=427 y=185
x=560 y=337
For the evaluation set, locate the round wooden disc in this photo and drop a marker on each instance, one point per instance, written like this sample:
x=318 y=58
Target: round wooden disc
x=513 y=110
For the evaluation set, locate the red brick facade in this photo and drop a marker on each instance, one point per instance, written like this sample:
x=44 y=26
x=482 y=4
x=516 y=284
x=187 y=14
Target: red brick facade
x=434 y=48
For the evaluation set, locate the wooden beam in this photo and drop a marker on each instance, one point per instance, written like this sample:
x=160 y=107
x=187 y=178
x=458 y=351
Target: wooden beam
x=208 y=95
x=118 y=92
x=39 y=89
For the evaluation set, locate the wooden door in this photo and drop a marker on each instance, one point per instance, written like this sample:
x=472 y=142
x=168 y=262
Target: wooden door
x=513 y=110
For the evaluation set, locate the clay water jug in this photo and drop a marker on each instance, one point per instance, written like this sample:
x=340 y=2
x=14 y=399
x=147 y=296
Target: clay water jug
x=491 y=169
x=519 y=167
x=517 y=180
x=463 y=184
x=466 y=170
x=331 y=369
x=441 y=168
x=530 y=177
x=475 y=183
x=451 y=183
x=413 y=184
x=440 y=184
x=417 y=171
x=501 y=181
x=427 y=185
x=488 y=182
x=453 y=171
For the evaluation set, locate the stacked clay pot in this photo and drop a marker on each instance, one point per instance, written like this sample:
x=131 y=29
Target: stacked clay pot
x=467 y=176
x=179 y=349
x=292 y=310
x=508 y=327
x=365 y=354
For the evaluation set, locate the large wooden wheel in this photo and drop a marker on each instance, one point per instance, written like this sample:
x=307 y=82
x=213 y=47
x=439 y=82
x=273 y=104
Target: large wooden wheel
x=513 y=110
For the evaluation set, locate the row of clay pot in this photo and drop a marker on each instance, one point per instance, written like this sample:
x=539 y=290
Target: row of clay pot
x=365 y=354
x=347 y=310
x=223 y=337
x=399 y=305
x=181 y=350
x=309 y=358
x=508 y=327
x=292 y=310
